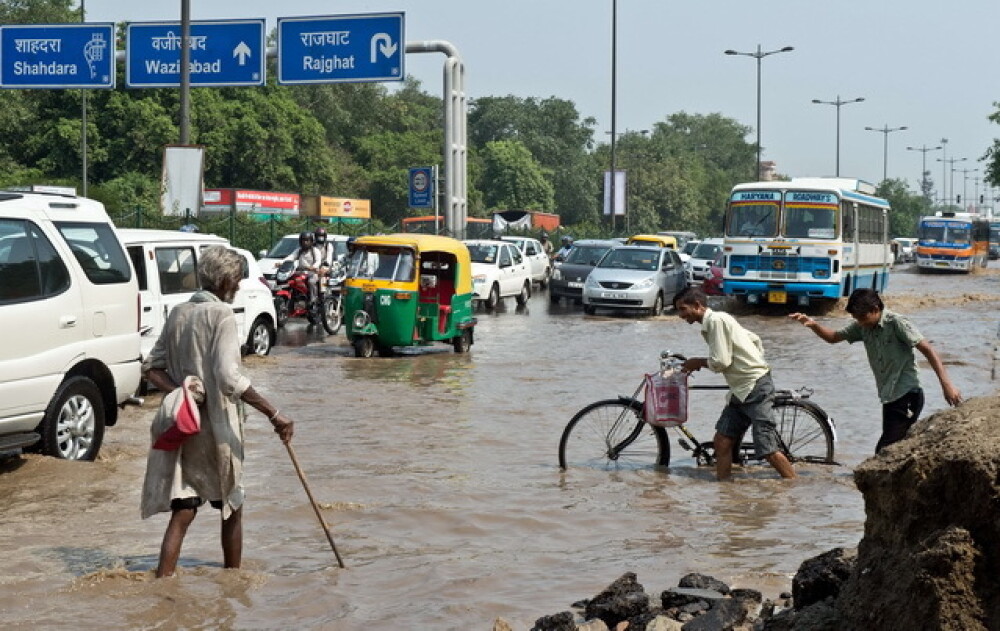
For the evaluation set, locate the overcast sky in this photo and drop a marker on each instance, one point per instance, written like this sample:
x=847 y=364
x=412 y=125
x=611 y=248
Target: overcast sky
x=930 y=66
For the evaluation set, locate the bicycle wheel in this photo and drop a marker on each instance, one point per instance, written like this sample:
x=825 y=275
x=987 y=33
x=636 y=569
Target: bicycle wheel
x=805 y=431
x=612 y=434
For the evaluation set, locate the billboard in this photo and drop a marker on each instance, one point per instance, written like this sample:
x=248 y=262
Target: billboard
x=226 y=199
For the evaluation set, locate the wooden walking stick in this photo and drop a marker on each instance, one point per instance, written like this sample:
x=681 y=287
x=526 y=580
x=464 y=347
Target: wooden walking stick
x=319 y=515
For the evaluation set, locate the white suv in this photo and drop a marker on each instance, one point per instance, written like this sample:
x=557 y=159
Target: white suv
x=69 y=309
x=534 y=253
x=498 y=271
x=166 y=263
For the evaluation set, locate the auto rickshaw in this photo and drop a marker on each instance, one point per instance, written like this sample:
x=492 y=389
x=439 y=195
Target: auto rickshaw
x=408 y=290
x=659 y=240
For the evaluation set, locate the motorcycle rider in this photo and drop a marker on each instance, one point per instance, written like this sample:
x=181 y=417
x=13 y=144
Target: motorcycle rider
x=309 y=258
x=546 y=244
x=325 y=247
x=567 y=245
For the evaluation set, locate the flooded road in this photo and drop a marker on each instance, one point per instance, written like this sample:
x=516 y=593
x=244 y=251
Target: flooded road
x=438 y=474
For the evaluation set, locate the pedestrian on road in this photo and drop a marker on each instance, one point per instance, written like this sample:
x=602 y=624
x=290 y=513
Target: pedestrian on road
x=738 y=355
x=889 y=342
x=200 y=340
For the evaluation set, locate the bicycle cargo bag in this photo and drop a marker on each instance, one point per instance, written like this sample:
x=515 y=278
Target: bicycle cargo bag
x=666 y=398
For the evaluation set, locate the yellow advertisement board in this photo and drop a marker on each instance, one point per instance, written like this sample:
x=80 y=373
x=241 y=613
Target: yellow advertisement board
x=339 y=207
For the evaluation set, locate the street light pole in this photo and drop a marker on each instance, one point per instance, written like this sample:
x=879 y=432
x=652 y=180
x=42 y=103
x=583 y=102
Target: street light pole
x=951 y=187
x=923 y=173
x=944 y=173
x=885 y=131
x=838 y=103
x=614 y=99
x=758 y=56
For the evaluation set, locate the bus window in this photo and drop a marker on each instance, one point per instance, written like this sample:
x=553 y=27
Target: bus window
x=752 y=220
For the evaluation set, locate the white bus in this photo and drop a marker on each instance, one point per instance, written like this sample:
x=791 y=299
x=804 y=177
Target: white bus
x=810 y=239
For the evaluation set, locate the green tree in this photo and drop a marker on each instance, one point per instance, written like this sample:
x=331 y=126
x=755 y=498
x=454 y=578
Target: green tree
x=513 y=179
x=907 y=207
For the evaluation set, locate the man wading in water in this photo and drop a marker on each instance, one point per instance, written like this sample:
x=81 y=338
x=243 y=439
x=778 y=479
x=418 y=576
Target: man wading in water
x=739 y=356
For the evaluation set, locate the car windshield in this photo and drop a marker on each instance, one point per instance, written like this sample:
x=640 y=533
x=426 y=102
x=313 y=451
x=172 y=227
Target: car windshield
x=706 y=251
x=627 y=258
x=382 y=263
x=283 y=248
x=690 y=246
x=586 y=254
x=483 y=252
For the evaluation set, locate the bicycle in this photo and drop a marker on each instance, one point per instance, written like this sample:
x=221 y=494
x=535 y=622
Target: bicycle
x=613 y=433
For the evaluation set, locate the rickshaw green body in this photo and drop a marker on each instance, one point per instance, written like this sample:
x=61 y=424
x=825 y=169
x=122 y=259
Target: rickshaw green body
x=425 y=298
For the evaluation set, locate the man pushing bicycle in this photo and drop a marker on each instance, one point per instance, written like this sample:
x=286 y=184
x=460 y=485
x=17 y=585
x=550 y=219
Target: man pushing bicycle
x=737 y=354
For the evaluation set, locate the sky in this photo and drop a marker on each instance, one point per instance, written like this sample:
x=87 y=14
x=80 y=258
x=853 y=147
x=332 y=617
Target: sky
x=928 y=66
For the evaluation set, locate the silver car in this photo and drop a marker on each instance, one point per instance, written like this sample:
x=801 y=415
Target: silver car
x=634 y=277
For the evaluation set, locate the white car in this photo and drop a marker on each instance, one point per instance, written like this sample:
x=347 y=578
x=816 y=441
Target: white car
x=166 y=263
x=701 y=259
x=534 y=253
x=69 y=311
x=498 y=271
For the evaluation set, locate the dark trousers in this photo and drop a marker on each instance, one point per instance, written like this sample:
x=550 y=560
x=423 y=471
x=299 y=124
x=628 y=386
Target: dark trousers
x=898 y=416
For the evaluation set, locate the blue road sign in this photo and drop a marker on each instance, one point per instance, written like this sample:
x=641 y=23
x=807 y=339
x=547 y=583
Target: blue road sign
x=223 y=53
x=421 y=187
x=341 y=49
x=57 y=55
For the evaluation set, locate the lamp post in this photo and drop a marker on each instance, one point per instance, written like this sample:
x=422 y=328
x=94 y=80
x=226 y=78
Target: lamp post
x=965 y=183
x=951 y=186
x=923 y=173
x=837 y=104
x=758 y=56
x=944 y=173
x=614 y=99
x=885 y=131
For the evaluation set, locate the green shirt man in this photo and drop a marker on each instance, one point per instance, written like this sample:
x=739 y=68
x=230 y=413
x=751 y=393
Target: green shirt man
x=889 y=340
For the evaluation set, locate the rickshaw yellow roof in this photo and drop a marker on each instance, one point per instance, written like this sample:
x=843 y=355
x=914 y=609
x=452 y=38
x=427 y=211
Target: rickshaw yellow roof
x=660 y=239
x=419 y=242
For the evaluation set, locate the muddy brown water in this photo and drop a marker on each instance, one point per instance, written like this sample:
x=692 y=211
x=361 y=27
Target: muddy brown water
x=438 y=474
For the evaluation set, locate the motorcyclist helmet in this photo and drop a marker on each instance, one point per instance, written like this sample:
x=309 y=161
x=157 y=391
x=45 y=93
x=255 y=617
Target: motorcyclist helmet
x=319 y=235
x=305 y=239
x=545 y=236
x=567 y=241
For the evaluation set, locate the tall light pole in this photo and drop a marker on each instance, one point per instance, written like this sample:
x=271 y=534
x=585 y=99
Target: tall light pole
x=614 y=99
x=951 y=187
x=944 y=173
x=923 y=172
x=758 y=56
x=885 y=131
x=838 y=103
x=965 y=183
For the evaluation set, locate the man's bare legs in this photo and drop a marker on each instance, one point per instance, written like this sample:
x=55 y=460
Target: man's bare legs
x=724 y=459
x=232 y=539
x=170 y=549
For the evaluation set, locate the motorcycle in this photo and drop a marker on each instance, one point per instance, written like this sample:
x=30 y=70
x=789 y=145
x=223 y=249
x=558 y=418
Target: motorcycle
x=291 y=298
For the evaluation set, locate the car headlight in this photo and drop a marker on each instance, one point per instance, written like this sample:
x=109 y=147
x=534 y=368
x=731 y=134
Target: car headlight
x=556 y=274
x=645 y=283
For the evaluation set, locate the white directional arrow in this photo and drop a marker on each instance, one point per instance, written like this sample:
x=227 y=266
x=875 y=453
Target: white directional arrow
x=242 y=51
x=382 y=42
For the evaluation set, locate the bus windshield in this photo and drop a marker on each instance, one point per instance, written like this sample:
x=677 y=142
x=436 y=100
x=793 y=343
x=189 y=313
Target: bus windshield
x=752 y=219
x=941 y=232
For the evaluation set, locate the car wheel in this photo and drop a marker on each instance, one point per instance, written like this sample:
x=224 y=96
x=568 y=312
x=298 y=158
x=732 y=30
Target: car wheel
x=522 y=298
x=262 y=337
x=589 y=309
x=364 y=347
x=73 y=425
x=494 y=298
x=657 y=306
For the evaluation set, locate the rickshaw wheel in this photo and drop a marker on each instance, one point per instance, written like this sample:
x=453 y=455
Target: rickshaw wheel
x=364 y=347
x=462 y=342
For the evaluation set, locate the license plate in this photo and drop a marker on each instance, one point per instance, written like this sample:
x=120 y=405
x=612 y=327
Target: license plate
x=942 y=264
x=575 y=285
x=614 y=295
x=779 y=297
